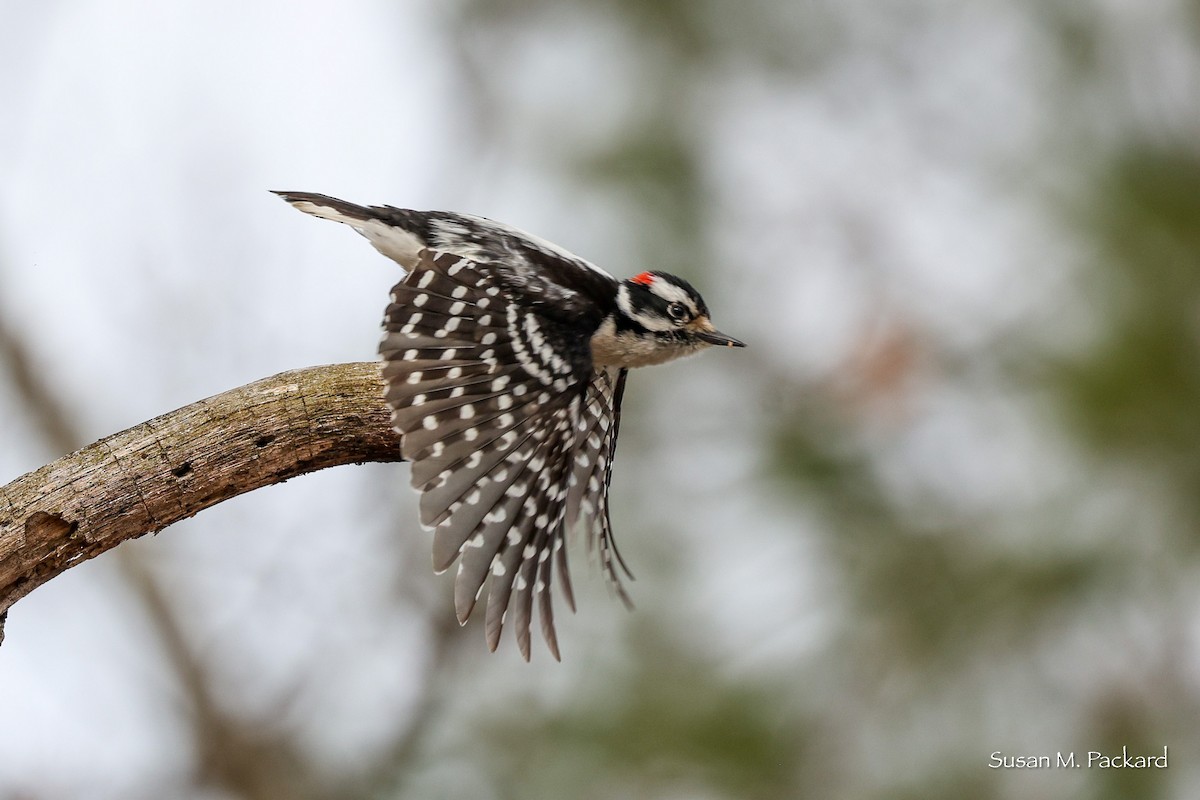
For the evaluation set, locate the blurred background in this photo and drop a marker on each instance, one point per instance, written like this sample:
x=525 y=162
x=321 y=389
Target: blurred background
x=945 y=505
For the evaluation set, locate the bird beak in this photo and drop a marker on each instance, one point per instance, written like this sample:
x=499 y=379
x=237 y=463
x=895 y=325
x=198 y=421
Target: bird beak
x=714 y=336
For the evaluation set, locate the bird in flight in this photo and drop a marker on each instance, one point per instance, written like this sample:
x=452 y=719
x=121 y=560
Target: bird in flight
x=504 y=360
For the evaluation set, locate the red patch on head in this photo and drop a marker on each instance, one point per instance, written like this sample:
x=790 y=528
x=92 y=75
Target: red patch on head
x=645 y=279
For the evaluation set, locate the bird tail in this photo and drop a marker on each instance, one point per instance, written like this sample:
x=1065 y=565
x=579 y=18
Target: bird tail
x=390 y=230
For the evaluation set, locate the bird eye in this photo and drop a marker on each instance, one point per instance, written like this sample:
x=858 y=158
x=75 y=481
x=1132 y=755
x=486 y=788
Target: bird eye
x=677 y=312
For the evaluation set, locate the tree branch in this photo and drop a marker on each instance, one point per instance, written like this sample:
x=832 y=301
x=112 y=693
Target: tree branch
x=154 y=474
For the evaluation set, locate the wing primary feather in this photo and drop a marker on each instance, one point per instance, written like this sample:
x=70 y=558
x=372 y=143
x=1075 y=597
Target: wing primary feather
x=500 y=589
x=618 y=396
x=545 y=576
x=522 y=599
x=453 y=530
x=501 y=509
x=560 y=556
x=476 y=537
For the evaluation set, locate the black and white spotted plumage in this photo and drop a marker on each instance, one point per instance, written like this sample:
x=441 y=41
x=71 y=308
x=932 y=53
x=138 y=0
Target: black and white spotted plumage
x=505 y=360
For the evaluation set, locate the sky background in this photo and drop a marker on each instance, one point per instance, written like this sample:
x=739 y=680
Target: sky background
x=943 y=505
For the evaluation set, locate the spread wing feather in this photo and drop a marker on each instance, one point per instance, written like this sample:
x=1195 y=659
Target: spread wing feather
x=510 y=432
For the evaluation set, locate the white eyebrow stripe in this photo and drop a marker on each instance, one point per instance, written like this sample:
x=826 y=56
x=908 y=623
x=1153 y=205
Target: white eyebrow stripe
x=673 y=294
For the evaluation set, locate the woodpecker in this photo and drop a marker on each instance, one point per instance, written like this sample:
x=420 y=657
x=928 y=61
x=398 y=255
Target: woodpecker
x=504 y=364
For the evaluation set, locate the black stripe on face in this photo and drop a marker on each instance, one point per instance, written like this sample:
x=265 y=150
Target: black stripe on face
x=652 y=300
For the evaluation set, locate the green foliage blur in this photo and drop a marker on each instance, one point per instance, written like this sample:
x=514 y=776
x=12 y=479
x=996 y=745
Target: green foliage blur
x=1046 y=607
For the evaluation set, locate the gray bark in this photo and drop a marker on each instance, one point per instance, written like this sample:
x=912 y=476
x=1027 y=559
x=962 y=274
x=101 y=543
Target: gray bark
x=145 y=478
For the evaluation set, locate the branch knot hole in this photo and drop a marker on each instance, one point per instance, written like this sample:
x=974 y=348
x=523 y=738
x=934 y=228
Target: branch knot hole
x=40 y=526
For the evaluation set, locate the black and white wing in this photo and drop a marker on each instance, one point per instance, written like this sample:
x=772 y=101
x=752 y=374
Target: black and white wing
x=592 y=472
x=509 y=428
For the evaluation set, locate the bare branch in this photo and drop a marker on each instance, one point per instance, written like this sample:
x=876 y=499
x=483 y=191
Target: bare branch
x=154 y=474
